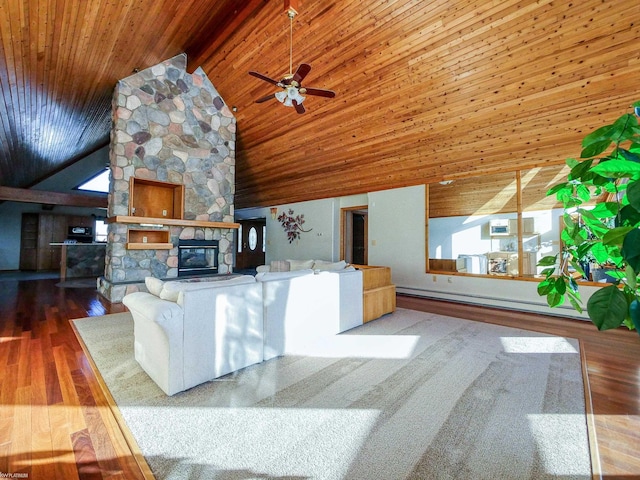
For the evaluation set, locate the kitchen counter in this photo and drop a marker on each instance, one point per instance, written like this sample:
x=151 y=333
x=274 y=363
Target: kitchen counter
x=81 y=259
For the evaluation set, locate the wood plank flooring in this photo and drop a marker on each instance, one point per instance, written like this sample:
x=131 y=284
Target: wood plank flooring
x=56 y=423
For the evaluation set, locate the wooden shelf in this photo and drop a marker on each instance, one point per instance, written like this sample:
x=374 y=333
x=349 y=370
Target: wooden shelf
x=142 y=239
x=149 y=246
x=170 y=221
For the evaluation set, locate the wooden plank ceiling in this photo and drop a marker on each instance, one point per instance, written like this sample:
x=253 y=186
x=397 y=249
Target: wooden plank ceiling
x=60 y=61
x=425 y=90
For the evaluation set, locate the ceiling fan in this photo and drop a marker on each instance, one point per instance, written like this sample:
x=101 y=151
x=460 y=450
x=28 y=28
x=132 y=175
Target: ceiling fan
x=292 y=93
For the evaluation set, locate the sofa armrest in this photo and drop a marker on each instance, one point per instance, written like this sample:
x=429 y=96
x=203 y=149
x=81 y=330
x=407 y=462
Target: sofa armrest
x=167 y=314
x=158 y=339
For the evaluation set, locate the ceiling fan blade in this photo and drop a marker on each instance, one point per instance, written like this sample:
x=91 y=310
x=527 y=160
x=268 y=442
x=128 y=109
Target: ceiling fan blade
x=264 y=77
x=265 y=98
x=302 y=71
x=299 y=107
x=319 y=92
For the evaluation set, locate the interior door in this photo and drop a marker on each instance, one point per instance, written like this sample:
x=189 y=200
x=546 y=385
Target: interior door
x=354 y=235
x=250 y=252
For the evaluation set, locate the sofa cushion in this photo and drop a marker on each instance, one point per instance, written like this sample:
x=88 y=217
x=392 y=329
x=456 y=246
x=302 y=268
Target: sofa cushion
x=280 y=266
x=267 y=276
x=171 y=290
x=329 y=266
x=300 y=264
x=154 y=285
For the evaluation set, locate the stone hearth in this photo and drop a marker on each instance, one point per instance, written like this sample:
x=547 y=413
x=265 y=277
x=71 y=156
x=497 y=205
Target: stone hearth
x=169 y=126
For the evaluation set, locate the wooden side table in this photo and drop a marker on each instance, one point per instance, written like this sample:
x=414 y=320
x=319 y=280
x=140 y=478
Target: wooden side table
x=379 y=294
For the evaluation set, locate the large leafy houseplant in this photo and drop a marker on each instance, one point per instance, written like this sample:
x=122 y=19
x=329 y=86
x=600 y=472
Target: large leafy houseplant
x=601 y=199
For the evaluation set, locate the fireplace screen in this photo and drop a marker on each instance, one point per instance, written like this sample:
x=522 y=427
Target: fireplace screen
x=197 y=257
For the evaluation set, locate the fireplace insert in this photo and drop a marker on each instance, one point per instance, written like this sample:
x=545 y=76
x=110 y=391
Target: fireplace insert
x=197 y=257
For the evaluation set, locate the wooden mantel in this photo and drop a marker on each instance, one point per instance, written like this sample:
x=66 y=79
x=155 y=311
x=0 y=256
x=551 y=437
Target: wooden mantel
x=171 y=221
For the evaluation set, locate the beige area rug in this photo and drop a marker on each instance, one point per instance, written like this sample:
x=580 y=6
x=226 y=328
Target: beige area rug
x=411 y=395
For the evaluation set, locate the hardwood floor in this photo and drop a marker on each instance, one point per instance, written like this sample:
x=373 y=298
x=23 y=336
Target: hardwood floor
x=56 y=423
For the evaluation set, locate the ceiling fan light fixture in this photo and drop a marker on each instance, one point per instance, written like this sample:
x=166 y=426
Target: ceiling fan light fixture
x=281 y=96
x=292 y=91
x=294 y=94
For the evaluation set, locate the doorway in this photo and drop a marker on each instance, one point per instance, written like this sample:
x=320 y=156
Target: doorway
x=251 y=247
x=354 y=235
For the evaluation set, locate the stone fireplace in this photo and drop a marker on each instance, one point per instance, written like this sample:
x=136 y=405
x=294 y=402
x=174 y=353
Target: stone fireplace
x=170 y=128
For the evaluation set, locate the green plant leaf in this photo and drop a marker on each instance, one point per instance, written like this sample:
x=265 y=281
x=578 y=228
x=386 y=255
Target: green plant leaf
x=631 y=249
x=605 y=210
x=629 y=216
x=616 y=235
x=633 y=194
x=560 y=286
x=554 y=299
x=624 y=128
x=556 y=188
x=634 y=313
x=629 y=155
x=631 y=275
x=594 y=224
x=571 y=162
x=600 y=252
x=576 y=306
x=595 y=148
x=577 y=268
x=583 y=193
x=548 y=261
x=548 y=271
x=607 y=308
x=598 y=135
x=546 y=286
x=617 y=168
x=579 y=169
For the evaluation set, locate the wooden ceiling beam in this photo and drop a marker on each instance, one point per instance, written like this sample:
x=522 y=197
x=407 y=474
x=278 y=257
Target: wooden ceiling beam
x=51 y=198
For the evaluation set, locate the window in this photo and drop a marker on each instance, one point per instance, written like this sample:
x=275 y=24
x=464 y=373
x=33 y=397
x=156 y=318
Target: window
x=97 y=183
x=101 y=230
x=498 y=225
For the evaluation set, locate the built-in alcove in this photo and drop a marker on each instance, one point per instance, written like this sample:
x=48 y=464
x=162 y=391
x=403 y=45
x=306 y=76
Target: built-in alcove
x=144 y=239
x=155 y=199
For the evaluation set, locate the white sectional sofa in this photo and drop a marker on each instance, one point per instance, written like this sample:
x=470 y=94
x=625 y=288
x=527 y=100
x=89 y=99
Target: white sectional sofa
x=187 y=333
x=304 y=306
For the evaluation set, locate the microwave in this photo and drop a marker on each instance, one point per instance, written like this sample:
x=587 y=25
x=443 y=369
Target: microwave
x=80 y=231
x=499 y=227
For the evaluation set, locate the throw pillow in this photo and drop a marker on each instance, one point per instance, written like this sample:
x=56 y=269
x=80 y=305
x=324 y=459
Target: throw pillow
x=171 y=290
x=323 y=265
x=154 y=285
x=300 y=264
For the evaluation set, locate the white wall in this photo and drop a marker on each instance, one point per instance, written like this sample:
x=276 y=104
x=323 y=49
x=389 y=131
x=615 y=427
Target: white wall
x=397 y=239
x=397 y=232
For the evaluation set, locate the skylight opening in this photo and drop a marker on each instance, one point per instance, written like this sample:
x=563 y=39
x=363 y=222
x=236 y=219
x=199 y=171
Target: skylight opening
x=97 y=183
